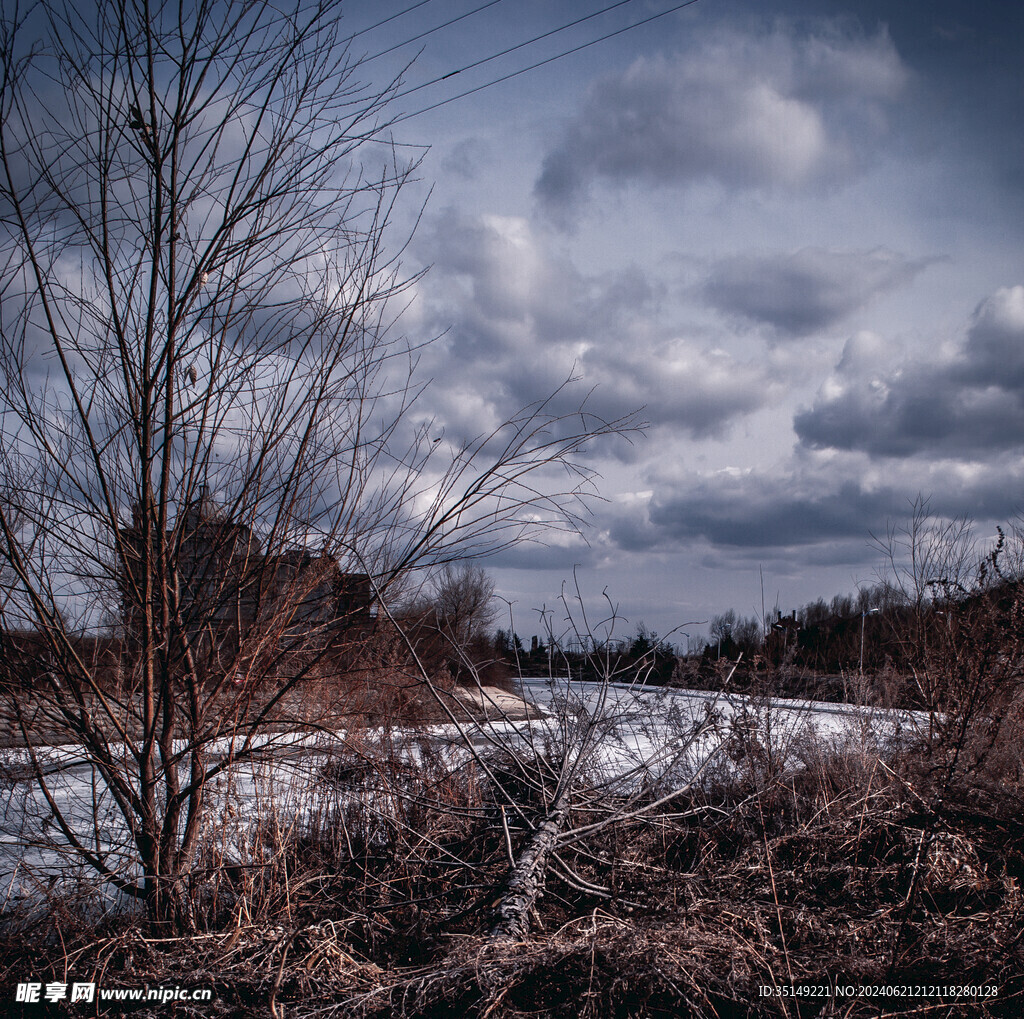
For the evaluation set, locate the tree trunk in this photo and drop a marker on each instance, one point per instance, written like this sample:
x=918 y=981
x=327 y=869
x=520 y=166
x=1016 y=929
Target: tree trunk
x=525 y=883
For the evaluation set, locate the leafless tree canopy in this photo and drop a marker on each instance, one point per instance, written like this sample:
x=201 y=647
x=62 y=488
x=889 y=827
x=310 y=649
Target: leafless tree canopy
x=462 y=600
x=206 y=423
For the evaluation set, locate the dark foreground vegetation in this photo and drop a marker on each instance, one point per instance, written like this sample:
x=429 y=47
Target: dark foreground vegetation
x=408 y=878
x=847 y=869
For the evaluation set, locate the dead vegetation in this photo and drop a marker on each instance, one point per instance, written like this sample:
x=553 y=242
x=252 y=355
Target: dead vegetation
x=507 y=877
x=382 y=901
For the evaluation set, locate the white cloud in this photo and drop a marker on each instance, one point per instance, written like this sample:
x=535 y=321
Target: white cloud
x=520 y=318
x=781 y=110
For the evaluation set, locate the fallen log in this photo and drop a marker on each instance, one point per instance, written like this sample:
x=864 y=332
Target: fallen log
x=525 y=883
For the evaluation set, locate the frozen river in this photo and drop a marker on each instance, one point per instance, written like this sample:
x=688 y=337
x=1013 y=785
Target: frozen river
x=626 y=737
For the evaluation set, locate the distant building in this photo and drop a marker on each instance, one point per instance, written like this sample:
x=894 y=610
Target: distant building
x=228 y=585
x=27 y=658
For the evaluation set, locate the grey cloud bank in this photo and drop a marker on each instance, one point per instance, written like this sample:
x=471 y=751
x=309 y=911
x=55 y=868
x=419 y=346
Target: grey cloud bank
x=779 y=111
x=806 y=291
x=970 y=405
x=766 y=225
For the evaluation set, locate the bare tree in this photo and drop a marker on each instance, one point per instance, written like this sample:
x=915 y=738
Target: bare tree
x=956 y=607
x=603 y=763
x=449 y=618
x=926 y=556
x=599 y=760
x=928 y=560
x=205 y=427
x=463 y=597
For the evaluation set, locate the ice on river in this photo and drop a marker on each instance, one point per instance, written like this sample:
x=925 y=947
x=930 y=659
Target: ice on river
x=626 y=737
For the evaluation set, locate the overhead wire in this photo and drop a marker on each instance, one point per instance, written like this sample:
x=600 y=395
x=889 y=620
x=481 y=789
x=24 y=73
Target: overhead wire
x=393 y=17
x=429 y=31
x=518 y=46
x=540 y=63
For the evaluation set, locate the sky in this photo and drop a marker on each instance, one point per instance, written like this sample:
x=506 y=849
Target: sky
x=785 y=236
x=788 y=233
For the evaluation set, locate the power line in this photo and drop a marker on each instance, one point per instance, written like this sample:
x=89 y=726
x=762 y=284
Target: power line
x=518 y=46
x=430 y=31
x=532 y=67
x=363 y=31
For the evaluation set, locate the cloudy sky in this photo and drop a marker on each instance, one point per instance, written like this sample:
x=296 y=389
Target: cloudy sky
x=789 y=231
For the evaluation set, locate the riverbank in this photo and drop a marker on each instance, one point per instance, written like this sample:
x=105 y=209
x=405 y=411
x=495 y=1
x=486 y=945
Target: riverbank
x=814 y=851
x=848 y=873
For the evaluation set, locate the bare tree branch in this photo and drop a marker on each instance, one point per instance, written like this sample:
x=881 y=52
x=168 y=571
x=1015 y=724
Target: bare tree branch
x=206 y=433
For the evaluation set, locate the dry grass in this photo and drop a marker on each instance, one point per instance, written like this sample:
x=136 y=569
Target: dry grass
x=376 y=898
x=849 y=869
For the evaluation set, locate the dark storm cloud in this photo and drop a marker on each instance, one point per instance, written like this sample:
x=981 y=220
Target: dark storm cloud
x=539 y=555
x=770 y=110
x=807 y=505
x=746 y=510
x=971 y=405
x=811 y=289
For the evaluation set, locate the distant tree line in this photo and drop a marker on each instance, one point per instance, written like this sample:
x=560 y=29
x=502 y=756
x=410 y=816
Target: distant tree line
x=881 y=639
x=942 y=592
x=644 y=657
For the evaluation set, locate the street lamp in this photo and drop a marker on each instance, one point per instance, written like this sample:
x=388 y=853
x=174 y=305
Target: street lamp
x=866 y=612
